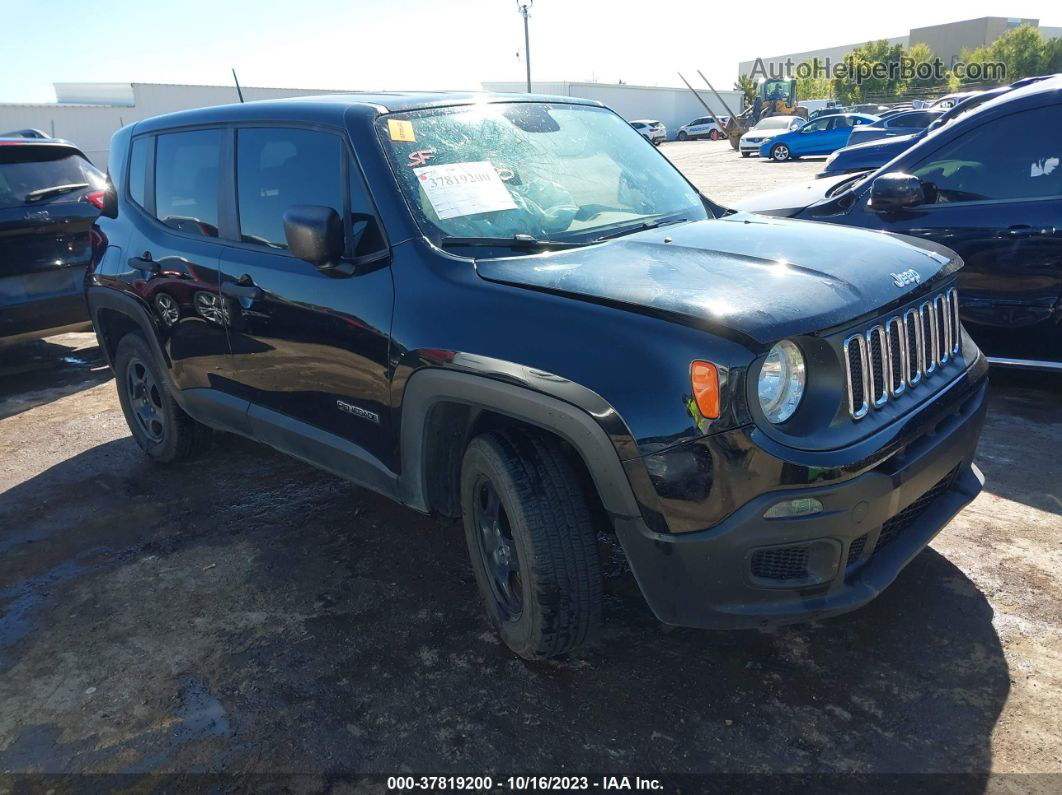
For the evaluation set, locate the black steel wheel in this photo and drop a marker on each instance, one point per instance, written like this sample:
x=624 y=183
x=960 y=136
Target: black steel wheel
x=145 y=398
x=497 y=549
x=531 y=542
x=157 y=423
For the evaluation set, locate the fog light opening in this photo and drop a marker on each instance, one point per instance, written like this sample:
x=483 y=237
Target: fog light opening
x=787 y=509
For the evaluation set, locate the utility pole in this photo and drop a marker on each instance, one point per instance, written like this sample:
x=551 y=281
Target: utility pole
x=523 y=6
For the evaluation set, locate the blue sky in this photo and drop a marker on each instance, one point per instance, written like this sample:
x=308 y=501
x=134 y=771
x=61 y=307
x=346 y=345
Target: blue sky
x=443 y=44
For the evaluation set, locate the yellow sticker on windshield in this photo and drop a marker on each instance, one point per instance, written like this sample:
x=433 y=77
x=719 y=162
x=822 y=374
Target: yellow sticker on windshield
x=401 y=130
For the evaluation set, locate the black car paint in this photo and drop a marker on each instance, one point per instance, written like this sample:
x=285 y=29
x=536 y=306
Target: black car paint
x=45 y=249
x=1011 y=285
x=425 y=341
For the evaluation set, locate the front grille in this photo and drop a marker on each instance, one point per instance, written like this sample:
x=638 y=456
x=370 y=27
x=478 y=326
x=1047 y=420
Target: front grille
x=892 y=529
x=887 y=359
x=786 y=563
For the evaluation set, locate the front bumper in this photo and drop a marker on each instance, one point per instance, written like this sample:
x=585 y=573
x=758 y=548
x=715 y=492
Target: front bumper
x=748 y=571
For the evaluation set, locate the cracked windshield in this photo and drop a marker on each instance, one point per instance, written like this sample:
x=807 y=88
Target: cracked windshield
x=569 y=173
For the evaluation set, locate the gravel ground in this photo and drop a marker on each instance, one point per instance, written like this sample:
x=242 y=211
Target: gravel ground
x=246 y=613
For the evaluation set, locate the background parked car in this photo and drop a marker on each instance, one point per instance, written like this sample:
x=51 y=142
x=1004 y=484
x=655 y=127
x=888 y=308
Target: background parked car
x=50 y=196
x=866 y=156
x=652 y=130
x=819 y=137
x=767 y=129
x=903 y=123
x=989 y=186
x=702 y=127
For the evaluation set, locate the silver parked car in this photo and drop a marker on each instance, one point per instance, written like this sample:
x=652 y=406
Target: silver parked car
x=751 y=141
x=651 y=129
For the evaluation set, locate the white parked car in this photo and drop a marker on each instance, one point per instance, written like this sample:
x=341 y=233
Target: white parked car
x=751 y=141
x=703 y=127
x=651 y=129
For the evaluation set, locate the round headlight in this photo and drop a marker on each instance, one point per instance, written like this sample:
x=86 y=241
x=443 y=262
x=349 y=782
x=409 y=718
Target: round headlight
x=781 y=382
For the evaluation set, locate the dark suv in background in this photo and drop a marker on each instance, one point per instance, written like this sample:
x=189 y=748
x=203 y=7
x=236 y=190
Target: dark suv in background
x=50 y=196
x=513 y=310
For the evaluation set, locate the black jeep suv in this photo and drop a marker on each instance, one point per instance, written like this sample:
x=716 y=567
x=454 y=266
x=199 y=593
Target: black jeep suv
x=50 y=195
x=513 y=310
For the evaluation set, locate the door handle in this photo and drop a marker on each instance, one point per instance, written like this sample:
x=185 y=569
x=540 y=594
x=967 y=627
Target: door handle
x=244 y=288
x=144 y=263
x=1023 y=230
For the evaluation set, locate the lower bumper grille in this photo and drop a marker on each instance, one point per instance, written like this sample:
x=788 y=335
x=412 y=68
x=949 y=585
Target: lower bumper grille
x=786 y=563
x=892 y=529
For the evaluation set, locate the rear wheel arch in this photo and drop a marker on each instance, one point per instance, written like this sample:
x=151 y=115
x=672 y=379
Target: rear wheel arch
x=114 y=315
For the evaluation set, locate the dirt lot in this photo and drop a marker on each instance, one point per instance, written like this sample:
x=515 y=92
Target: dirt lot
x=245 y=613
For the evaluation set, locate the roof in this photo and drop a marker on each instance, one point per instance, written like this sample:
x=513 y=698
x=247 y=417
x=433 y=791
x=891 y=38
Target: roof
x=334 y=107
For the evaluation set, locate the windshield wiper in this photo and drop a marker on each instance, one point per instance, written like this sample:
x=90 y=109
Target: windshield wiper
x=516 y=241
x=630 y=230
x=55 y=190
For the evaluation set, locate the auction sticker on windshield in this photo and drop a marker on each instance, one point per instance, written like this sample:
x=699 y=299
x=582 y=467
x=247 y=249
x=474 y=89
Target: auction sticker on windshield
x=457 y=189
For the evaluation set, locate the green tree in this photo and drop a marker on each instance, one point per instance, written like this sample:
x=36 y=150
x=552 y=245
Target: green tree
x=1023 y=51
x=813 y=86
x=747 y=86
x=1052 y=57
x=926 y=78
x=867 y=78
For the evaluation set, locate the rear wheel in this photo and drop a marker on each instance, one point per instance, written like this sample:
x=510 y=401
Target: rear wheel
x=157 y=423
x=780 y=153
x=714 y=135
x=531 y=542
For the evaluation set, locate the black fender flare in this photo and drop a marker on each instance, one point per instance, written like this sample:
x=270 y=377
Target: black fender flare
x=105 y=298
x=430 y=386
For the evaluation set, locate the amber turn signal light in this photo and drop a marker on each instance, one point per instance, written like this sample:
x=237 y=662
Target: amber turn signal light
x=705 y=379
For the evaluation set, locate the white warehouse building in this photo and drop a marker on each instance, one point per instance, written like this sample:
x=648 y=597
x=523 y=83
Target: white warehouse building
x=88 y=114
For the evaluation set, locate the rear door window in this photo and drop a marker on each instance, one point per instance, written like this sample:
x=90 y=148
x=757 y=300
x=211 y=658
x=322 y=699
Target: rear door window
x=186 y=181
x=277 y=168
x=27 y=172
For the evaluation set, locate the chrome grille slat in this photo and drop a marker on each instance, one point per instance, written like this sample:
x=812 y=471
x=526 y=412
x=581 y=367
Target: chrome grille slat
x=896 y=343
x=943 y=311
x=894 y=356
x=956 y=327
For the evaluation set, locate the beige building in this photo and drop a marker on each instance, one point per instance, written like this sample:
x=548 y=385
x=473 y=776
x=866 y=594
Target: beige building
x=947 y=41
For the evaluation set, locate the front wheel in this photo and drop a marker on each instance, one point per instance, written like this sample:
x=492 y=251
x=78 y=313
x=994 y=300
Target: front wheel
x=682 y=136
x=714 y=135
x=746 y=154
x=780 y=153
x=531 y=542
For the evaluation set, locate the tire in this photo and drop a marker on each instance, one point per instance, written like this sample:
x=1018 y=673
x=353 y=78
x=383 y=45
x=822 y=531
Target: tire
x=746 y=154
x=780 y=153
x=157 y=423
x=714 y=135
x=682 y=136
x=531 y=542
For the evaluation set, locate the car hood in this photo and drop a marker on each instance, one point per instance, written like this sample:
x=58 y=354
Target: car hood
x=761 y=278
x=791 y=200
x=764 y=134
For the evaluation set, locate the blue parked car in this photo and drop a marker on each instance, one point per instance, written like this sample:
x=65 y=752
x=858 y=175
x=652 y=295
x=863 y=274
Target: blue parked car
x=907 y=122
x=819 y=137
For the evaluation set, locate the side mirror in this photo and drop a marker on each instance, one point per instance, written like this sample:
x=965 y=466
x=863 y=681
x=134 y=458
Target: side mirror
x=315 y=234
x=891 y=192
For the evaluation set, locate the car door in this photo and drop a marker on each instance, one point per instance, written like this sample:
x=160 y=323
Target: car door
x=174 y=249
x=994 y=195
x=310 y=346
x=805 y=142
